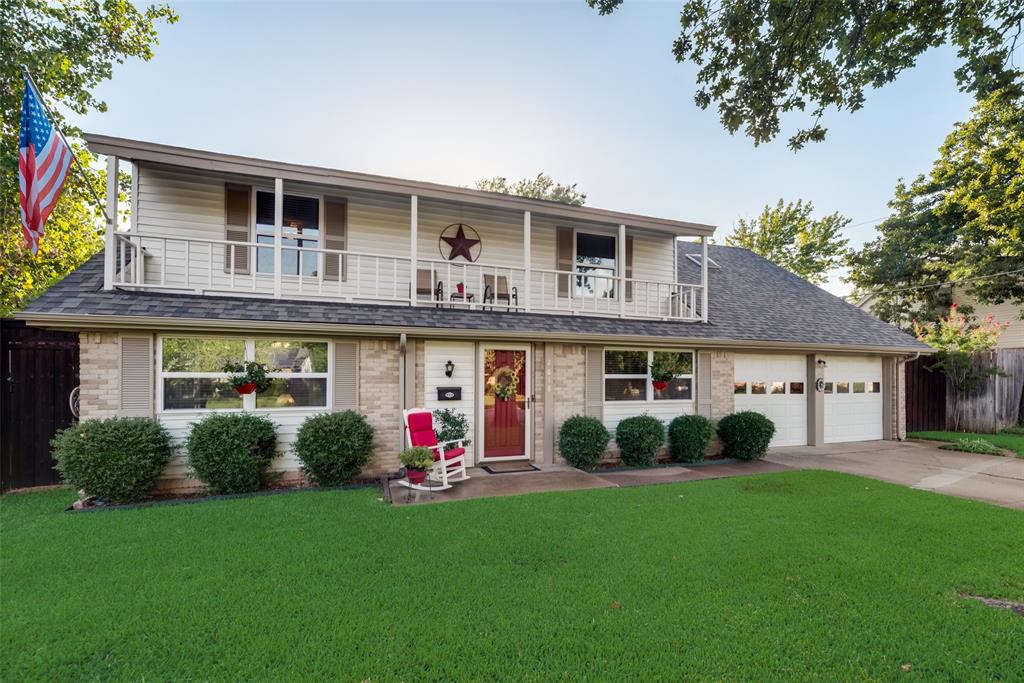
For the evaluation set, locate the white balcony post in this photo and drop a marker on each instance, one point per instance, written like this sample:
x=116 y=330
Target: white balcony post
x=278 y=230
x=109 y=254
x=620 y=263
x=414 y=221
x=527 y=230
x=704 y=279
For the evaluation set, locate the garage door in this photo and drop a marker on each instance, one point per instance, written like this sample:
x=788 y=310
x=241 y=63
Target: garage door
x=853 y=399
x=775 y=386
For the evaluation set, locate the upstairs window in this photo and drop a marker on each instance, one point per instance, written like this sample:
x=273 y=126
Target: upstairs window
x=595 y=266
x=300 y=228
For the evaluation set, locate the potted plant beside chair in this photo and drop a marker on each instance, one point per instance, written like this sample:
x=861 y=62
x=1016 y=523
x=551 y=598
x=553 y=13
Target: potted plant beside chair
x=245 y=378
x=417 y=461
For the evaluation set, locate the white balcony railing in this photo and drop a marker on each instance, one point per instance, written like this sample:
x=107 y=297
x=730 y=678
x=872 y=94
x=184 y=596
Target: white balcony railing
x=207 y=266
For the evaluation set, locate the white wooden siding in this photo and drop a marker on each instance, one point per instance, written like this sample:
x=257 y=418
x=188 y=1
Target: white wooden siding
x=179 y=423
x=463 y=355
x=666 y=411
x=189 y=204
x=1013 y=336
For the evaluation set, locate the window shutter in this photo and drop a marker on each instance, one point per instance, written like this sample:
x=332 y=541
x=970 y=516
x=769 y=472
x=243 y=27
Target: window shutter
x=629 y=267
x=703 y=371
x=563 y=258
x=335 y=237
x=594 y=382
x=346 y=375
x=136 y=376
x=236 y=226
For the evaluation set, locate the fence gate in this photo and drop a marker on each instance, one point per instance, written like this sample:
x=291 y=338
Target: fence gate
x=38 y=371
x=926 y=396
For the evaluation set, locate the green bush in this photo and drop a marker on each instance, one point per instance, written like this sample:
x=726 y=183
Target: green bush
x=745 y=435
x=230 y=452
x=1016 y=430
x=582 y=441
x=689 y=437
x=452 y=425
x=117 y=459
x=333 y=447
x=639 y=439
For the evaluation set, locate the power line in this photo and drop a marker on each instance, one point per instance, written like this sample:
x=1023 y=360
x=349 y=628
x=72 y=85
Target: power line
x=944 y=284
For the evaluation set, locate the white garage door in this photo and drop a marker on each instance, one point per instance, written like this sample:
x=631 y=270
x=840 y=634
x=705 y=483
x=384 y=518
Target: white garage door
x=853 y=399
x=775 y=386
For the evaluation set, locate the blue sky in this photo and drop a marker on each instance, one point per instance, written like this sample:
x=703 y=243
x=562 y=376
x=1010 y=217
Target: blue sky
x=453 y=92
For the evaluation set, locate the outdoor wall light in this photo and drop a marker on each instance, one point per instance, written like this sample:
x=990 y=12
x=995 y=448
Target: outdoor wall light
x=822 y=363
x=449 y=368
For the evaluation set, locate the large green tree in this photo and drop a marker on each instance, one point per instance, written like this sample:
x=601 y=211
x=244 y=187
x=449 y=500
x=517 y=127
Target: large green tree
x=70 y=46
x=540 y=187
x=962 y=222
x=759 y=60
x=788 y=236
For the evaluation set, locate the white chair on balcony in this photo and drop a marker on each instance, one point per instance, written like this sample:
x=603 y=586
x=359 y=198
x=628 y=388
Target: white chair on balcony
x=449 y=458
x=429 y=286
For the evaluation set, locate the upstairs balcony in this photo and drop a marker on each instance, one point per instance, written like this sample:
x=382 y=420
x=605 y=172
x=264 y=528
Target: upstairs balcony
x=213 y=224
x=286 y=271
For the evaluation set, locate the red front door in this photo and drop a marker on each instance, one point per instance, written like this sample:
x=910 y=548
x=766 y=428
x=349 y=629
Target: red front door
x=505 y=402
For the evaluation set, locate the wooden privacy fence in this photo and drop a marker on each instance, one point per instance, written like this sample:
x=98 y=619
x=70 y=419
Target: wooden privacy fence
x=38 y=370
x=926 y=396
x=994 y=406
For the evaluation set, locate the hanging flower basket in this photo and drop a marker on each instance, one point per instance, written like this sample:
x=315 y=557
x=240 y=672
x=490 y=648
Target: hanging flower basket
x=247 y=378
x=659 y=384
x=246 y=388
x=663 y=370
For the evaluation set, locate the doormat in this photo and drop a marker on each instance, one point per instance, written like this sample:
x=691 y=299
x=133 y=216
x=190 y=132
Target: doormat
x=509 y=467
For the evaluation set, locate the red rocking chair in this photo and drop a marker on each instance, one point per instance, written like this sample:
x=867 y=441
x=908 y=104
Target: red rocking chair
x=449 y=458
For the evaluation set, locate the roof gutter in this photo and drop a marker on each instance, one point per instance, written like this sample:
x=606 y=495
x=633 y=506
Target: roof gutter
x=119 y=322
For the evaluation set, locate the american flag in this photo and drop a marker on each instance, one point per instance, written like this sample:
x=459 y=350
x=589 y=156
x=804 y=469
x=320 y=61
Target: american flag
x=43 y=163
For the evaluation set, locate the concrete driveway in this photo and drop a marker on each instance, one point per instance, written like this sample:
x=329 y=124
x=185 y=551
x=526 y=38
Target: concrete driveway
x=918 y=464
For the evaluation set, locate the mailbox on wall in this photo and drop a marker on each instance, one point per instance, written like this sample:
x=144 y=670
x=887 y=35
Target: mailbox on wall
x=449 y=393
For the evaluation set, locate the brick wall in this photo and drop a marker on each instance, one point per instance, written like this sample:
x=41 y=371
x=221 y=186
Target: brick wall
x=537 y=414
x=380 y=402
x=568 y=369
x=722 y=378
x=100 y=374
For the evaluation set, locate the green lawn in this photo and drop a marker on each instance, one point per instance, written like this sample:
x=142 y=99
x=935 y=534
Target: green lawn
x=1012 y=442
x=796 y=576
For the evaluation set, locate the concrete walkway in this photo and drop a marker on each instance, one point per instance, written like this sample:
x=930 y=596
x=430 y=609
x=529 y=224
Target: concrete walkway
x=564 y=478
x=918 y=464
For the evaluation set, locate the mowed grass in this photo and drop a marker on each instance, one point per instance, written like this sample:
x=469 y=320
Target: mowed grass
x=795 y=576
x=1011 y=442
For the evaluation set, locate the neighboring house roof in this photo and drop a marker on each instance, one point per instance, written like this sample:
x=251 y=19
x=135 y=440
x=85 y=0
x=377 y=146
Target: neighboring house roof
x=752 y=303
x=137 y=150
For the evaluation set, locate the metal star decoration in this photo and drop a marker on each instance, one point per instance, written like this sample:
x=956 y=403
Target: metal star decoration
x=460 y=245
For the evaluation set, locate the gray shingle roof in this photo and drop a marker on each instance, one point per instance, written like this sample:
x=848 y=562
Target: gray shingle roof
x=751 y=300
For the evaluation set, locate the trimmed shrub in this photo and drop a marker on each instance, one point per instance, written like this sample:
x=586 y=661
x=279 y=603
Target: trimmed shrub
x=117 y=459
x=689 y=437
x=452 y=425
x=230 y=452
x=639 y=439
x=745 y=435
x=333 y=447
x=582 y=441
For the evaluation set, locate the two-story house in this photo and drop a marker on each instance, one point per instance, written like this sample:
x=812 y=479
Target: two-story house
x=380 y=294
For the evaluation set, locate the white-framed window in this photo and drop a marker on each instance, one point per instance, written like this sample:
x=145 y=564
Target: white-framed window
x=595 y=265
x=302 y=219
x=191 y=376
x=627 y=376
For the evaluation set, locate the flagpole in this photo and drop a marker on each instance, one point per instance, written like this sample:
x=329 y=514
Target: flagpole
x=74 y=157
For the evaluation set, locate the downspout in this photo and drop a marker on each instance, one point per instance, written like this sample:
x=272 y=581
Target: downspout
x=401 y=382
